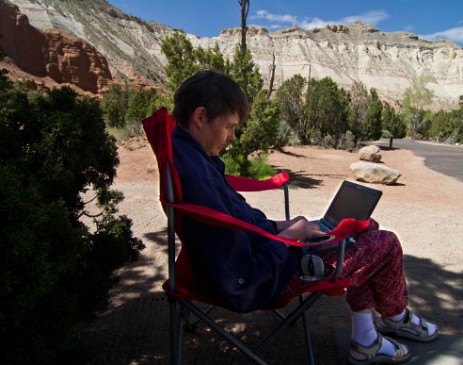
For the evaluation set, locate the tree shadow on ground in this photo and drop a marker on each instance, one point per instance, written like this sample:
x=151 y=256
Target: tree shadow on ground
x=435 y=293
x=136 y=330
x=302 y=181
x=159 y=237
x=387 y=148
x=384 y=146
x=292 y=154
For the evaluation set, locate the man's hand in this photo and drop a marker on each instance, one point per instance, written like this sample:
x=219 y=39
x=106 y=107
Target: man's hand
x=298 y=228
x=282 y=225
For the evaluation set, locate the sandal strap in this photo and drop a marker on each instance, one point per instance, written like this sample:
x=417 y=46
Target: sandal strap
x=406 y=324
x=366 y=354
x=400 y=352
x=406 y=328
x=423 y=324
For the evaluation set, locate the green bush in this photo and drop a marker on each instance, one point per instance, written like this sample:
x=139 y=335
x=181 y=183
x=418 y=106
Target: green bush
x=233 y=163
x=55 y=271
x=328 y=141
x=347 y=141
x=258 y=167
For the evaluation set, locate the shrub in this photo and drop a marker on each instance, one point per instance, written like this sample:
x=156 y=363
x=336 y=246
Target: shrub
x=347 y=141
x=54 y=270
x=258 y=168
x=233 y=163
x=328 y=141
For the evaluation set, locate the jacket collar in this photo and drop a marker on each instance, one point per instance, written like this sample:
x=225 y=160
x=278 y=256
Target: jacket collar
x=183 y=136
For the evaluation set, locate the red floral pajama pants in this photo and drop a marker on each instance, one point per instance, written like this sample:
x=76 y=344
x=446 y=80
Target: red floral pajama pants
x=374 y=264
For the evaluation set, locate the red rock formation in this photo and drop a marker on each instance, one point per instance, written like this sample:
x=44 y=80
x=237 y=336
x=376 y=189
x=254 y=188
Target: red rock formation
x=60 y=56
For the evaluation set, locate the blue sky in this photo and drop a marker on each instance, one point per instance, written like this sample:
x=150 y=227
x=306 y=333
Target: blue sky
x=430 y=19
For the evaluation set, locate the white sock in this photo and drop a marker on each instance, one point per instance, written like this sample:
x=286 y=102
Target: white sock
x=363 y=328
x=364 y=332
x=432 y=328
x=399 y=316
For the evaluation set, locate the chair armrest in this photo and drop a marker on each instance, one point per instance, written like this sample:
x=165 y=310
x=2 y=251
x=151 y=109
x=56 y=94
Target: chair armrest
x=241 y=183
x=220 y=219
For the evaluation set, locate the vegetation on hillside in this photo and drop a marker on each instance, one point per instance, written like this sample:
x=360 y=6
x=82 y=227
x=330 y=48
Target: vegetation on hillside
x=302 y=111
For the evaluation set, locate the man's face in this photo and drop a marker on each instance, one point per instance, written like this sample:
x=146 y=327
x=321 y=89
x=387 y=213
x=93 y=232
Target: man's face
x=216 y=134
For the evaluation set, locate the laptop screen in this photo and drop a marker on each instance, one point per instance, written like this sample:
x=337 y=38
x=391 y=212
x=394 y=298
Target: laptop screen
x=352 y=201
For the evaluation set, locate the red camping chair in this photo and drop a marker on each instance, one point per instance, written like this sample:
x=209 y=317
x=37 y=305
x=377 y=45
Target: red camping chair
x=179 y=286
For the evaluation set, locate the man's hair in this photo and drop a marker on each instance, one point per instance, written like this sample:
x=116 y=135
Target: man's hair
x=214 y=91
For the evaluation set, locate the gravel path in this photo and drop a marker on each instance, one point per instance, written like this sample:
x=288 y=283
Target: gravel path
x=424 y=209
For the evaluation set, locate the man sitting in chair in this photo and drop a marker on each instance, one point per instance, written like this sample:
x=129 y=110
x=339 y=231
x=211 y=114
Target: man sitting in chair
x=247 y=271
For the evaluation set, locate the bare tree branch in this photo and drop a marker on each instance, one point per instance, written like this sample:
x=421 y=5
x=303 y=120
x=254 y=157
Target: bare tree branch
x=84 y=213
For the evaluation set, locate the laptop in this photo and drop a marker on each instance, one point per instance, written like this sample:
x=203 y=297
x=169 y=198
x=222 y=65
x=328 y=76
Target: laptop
x=352 y=200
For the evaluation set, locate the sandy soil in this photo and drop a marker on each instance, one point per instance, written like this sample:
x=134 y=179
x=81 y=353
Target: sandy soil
x=424 y=209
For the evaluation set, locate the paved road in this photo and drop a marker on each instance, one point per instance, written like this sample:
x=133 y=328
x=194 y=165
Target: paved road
x=442 y=158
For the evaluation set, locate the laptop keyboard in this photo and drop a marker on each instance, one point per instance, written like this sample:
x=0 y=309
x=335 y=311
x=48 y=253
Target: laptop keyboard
x=324 y=225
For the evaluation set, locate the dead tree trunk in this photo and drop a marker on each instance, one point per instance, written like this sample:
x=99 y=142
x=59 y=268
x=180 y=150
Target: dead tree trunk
x=244 y=15
x=272 y=77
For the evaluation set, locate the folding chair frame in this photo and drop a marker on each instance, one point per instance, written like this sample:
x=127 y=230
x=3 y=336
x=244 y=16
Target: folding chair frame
x=158 y=128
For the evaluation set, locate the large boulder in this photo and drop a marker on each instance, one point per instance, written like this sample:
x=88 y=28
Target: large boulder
x=374 y=173
x=370 y=153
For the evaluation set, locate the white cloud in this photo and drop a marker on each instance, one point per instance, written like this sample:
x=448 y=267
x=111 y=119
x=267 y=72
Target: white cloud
x=311 y=23
x=452 y=34
x=371 y=17
x=264 y=14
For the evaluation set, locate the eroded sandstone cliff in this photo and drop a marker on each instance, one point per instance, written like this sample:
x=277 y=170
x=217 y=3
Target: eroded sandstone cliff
x=51 y=53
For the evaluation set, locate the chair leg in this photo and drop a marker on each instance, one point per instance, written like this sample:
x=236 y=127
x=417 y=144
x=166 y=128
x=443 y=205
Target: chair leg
x=227 y=336
x=194 y=323
x=179 y=307
x=308 y=341
x=291 y=318
x=176 y=331
x=186 y=315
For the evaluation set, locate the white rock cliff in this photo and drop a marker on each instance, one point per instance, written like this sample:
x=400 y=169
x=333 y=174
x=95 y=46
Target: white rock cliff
x=380 y=60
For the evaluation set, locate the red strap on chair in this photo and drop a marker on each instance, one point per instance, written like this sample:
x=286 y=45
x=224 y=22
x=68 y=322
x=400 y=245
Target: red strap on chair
x=346 y=227
x=241 y=183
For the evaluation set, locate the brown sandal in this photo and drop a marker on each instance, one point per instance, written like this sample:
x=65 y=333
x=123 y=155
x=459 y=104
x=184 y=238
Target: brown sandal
x=406 y=329
x=361 y=355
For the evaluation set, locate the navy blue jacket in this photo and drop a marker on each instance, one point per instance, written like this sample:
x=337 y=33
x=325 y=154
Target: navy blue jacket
x=244 y=271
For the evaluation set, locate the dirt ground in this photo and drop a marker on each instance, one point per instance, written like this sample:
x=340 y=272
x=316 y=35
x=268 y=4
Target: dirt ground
x=424 y=209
